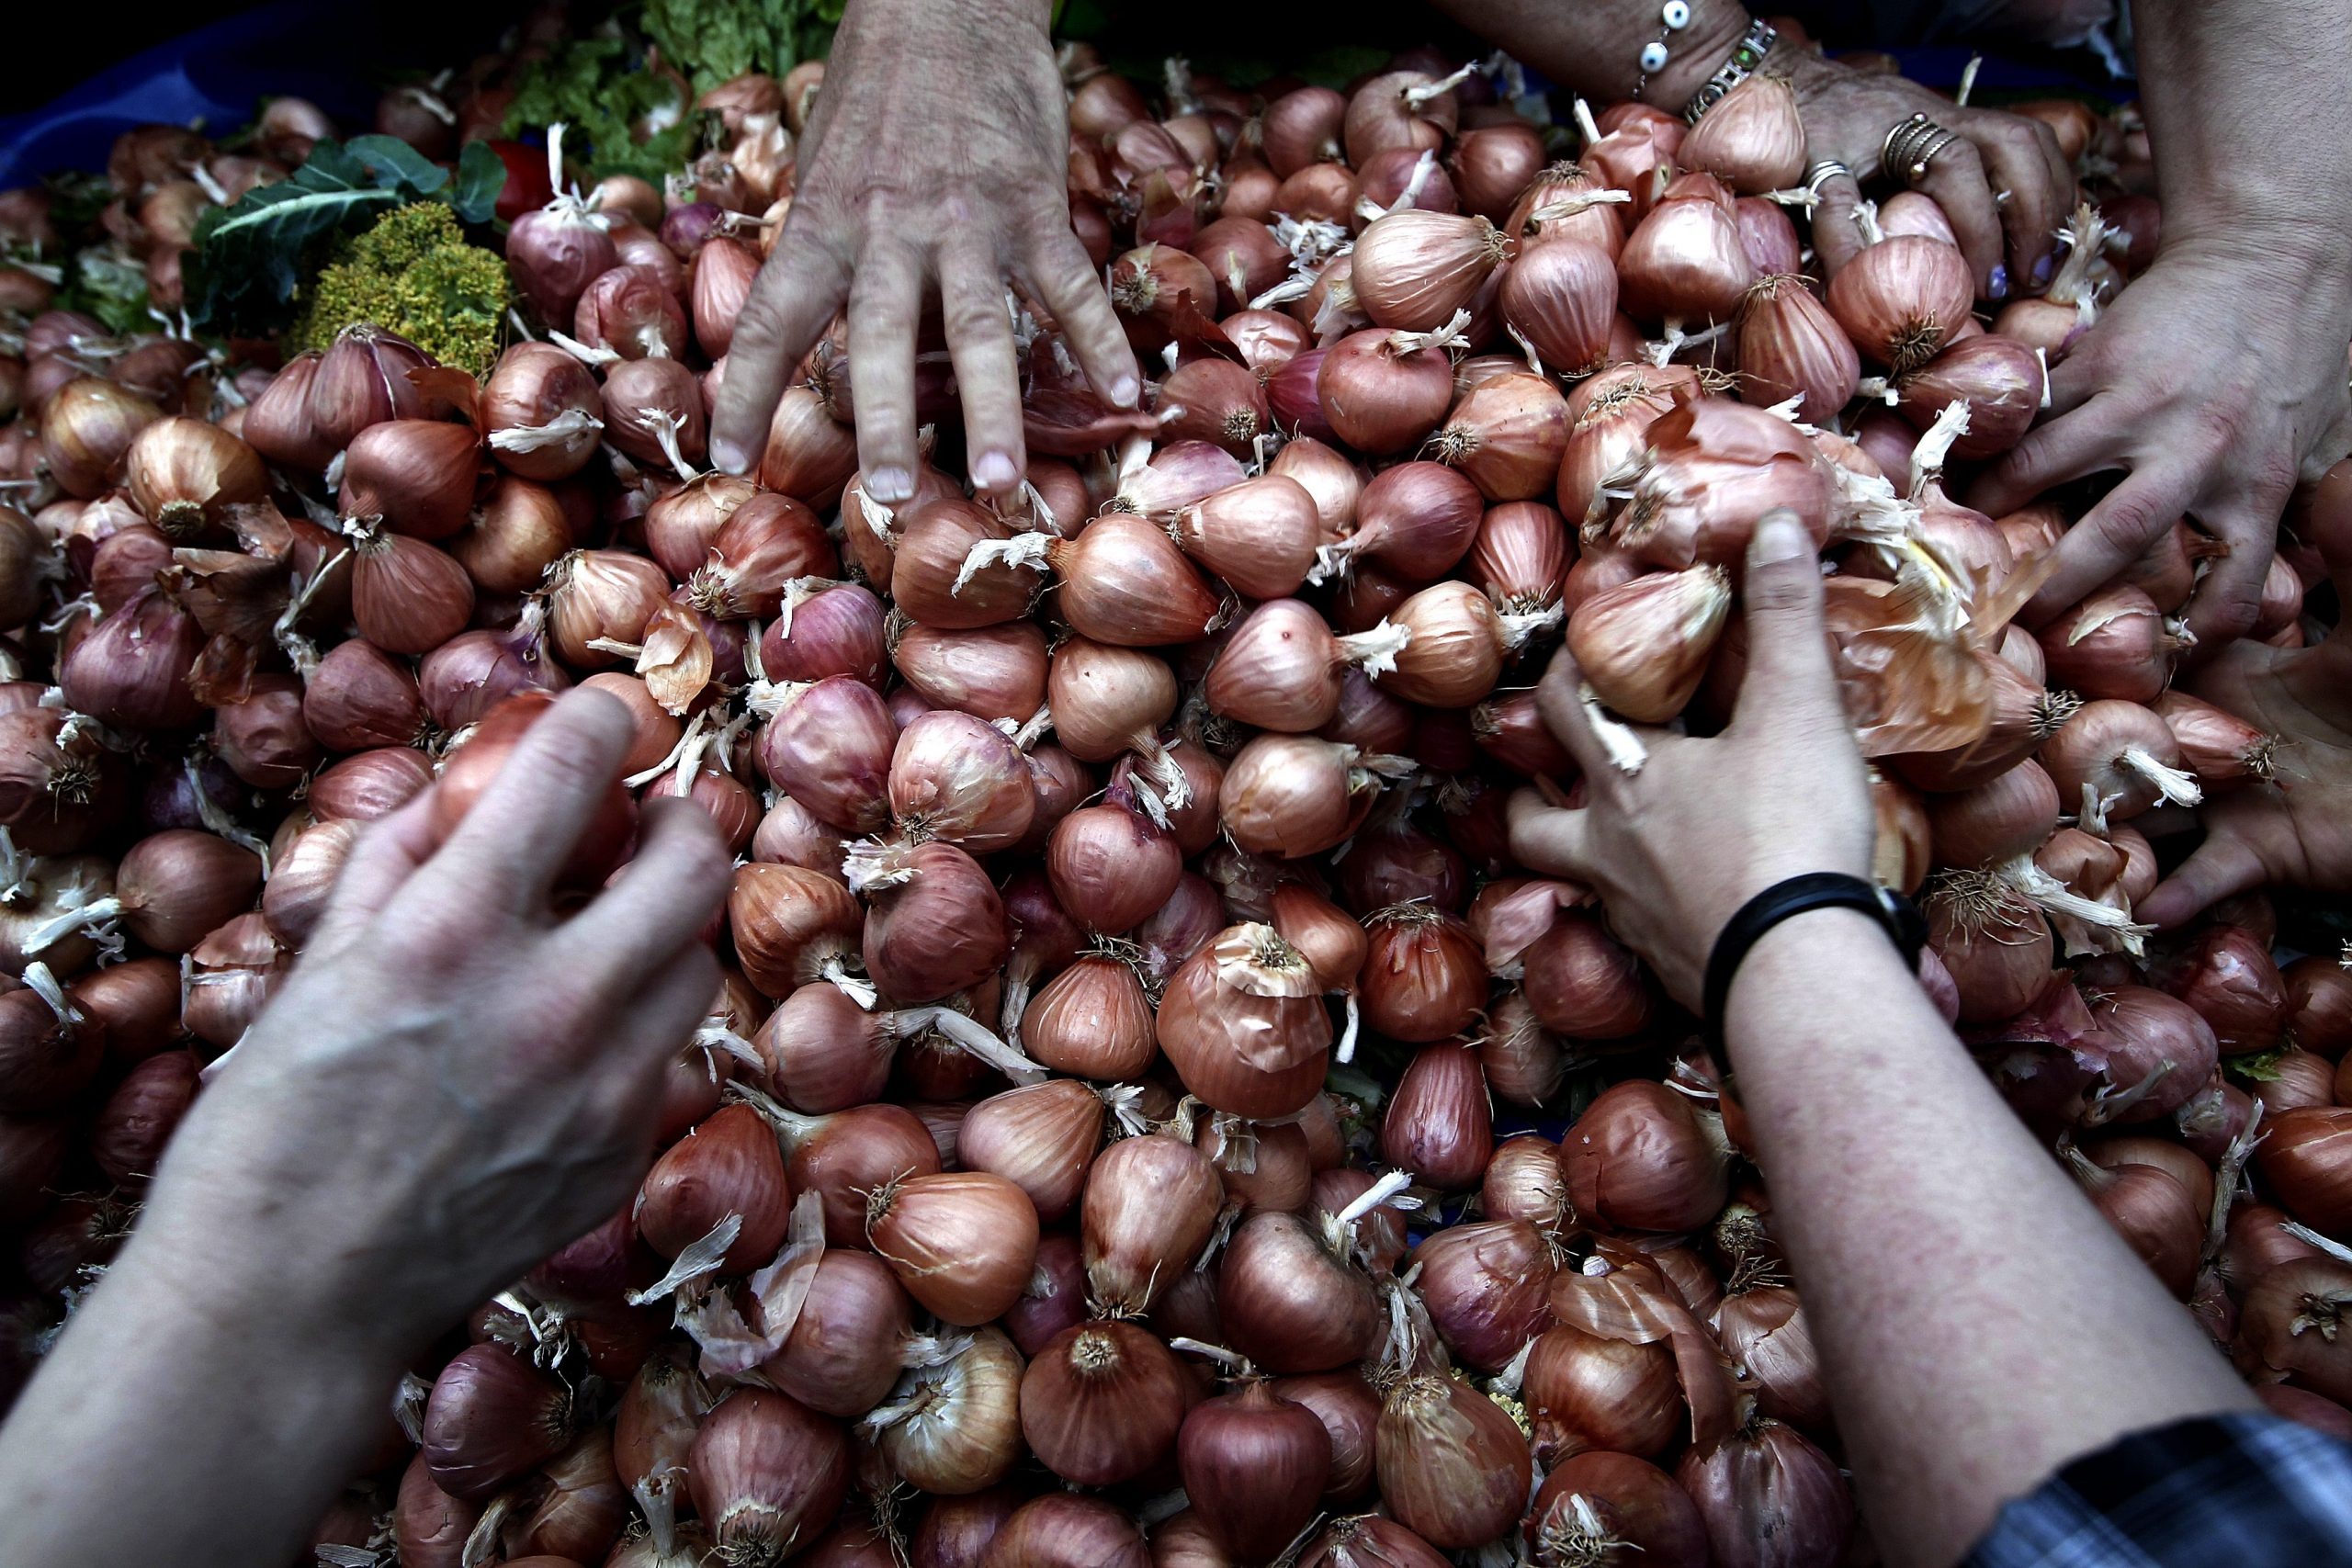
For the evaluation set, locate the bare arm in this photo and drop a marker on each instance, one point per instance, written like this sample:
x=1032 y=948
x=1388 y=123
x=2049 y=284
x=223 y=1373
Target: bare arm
x=2219 y=377
x=455 y=1083
x=1979 y=1323
x=1944 y=1258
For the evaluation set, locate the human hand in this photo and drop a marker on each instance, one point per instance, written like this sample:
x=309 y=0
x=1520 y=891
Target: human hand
x=936 y=155
x=1706 y=825
x=2217 y=381
x=2298 y=831
x=456 y=1081
x=1846 y=116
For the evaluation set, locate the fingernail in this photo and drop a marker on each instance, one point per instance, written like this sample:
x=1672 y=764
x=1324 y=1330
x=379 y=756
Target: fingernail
x=1779 y=538
x=726 y=454
x=1125 y=390
x=995 y=471
x=889 y=486
x=2000 y=283
x=2043 y=269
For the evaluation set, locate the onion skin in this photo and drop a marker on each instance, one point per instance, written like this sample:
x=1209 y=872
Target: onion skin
x=1255 y=1465
x=1062 y=1530
x=1288 y=1304
x=765 y=1472
x=1639 y=1158
x=1452 y=1467
x=2304 y=1161
x=1770 y=1499
x=1439 y=1123
x=962 y=1243
x=1488 y=1287
x=1639 y=1508
x=2291 y=1323
x=491 y=1417
x=2229 y=977
x=1905 y=304
x=1102 y=1402
x=1147 y=1210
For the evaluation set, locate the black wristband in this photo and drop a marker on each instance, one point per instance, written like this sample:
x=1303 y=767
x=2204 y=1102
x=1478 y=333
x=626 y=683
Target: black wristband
x=1815 y=890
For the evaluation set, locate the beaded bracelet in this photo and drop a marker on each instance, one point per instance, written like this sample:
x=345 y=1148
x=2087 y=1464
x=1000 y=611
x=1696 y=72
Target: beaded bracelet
x=1672 y=19
x=1761 y=35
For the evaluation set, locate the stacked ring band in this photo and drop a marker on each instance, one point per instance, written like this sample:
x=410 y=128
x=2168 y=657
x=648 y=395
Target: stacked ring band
x=1912 y=146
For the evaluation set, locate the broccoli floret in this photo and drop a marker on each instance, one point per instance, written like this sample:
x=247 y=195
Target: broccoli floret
x=413 y=274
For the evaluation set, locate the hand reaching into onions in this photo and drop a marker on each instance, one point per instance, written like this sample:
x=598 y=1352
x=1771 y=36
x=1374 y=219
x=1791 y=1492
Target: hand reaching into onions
x=2216 y=382
x=936 y=159
x=2217 y=379
x=1924 y=1223
x=1675 y=850
x=2296 y=832
x=2004 y=185
x=457 y=1080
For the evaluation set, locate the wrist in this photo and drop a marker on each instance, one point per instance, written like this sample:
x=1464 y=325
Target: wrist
x=1787 y=966
x=231 y=1262
x=2295 y=250
x=1695 y=53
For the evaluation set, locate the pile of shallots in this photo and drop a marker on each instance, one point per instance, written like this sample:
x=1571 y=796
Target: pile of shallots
x=1126 y=963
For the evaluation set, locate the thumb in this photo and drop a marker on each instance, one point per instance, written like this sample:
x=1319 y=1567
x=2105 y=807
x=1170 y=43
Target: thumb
x=1788 y=659
x=2224 y=866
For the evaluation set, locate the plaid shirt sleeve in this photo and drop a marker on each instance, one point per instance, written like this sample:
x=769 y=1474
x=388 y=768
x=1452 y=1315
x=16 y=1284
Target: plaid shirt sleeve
x=2216 y=1492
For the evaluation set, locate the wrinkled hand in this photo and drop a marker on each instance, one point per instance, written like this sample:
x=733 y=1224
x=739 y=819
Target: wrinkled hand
x=1706 y=825
x=2217 y=381
x=1846 y=114
x=936 y=157
x=454 y=1081
x=2298 y=833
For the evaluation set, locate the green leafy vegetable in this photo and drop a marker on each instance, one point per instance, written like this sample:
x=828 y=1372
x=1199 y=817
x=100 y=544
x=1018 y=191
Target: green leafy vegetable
x=251 y=258
x=627 y=92
x=2255 y=1066
x=111 y=285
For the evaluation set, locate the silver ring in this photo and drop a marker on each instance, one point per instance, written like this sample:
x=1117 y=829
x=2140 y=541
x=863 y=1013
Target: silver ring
x=1822 y=173
x=1911 y=147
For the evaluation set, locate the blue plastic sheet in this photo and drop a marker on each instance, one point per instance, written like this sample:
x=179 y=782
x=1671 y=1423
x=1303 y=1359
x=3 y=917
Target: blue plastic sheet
x=217 y=75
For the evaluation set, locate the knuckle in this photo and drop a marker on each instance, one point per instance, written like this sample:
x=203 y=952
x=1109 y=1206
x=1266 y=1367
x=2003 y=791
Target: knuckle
x=2231 y=614
x=2128 y=523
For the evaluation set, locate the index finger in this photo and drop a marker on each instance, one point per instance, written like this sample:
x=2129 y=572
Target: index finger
x=792 y=300
x=2110 y=536
x=523 y=827
x=2015 y=158
x=388 y=853
x=1955 y=178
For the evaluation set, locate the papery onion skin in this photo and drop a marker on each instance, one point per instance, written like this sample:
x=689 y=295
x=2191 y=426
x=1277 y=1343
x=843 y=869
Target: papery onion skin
x=1452 y=1465
x=1101 y=1402
x=1638 y=1157
x=1637 y=1507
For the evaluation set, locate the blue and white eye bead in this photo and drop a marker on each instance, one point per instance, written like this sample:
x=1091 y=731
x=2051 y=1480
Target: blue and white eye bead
x=1654 y=57
x=1677 y=15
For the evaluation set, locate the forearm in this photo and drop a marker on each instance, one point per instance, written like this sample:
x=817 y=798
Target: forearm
x=181 y=1420
x=1596 y=49
x=1978 y=1322
x=2244 y=106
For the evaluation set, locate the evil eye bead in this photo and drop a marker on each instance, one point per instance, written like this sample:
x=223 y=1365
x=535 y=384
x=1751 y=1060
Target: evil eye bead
x=1677 y=15
x=1654 y=57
